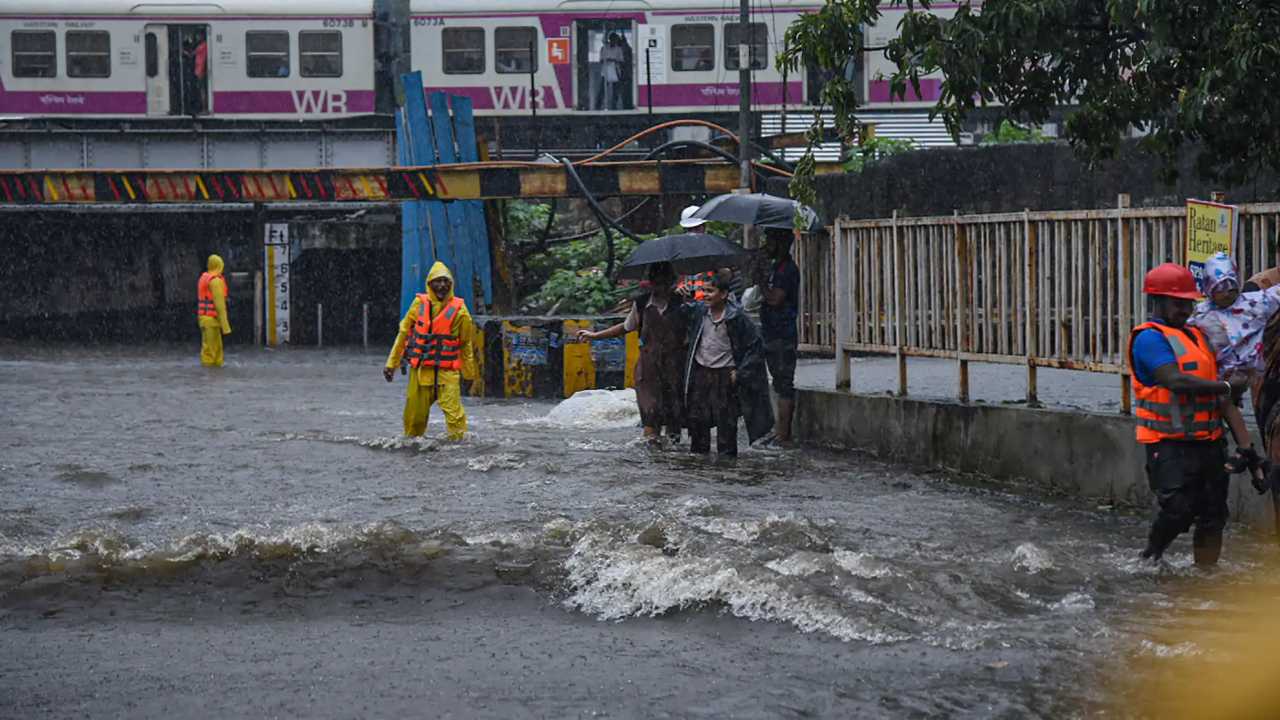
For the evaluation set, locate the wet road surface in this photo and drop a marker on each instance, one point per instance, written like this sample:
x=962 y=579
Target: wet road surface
x=258 y=541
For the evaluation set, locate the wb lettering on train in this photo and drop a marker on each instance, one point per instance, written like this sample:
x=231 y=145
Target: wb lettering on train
x=516 y=97
x=316 y=102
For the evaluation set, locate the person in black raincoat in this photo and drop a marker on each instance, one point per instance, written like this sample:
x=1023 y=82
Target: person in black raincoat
x=725 y=376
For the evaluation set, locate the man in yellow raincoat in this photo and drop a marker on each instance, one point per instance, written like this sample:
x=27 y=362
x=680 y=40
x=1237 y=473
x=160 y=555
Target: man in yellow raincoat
x=211 y=313
x=436 y=340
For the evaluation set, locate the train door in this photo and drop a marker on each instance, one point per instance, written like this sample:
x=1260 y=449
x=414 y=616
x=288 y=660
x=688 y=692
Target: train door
x=157 y=50
x=178 y=69
x=606 y=61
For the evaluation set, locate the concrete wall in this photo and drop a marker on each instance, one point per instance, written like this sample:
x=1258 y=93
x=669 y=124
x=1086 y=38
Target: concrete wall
x=131 y=277
x=1081 y=454
x=1011 y=178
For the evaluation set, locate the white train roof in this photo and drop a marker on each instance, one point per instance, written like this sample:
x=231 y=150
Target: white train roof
x=143 y=8
x=428 y=7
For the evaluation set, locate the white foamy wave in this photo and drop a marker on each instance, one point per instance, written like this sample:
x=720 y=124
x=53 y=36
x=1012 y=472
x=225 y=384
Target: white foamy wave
x=613 y=583
x=421 y=444
x=1073 y=603
x=1029 y=558
x=499 y=461
x=593 y=444
x=1160 y=650
x=861 y=564
x=696 y=505
x=789 y=529
x=799 y=564
x=513 y=538
x=597 y=409
x=109 y=546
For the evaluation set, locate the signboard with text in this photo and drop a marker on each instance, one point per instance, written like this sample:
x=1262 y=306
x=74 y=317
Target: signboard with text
x=1211 y=228
x=276 y=245
x=651 y=55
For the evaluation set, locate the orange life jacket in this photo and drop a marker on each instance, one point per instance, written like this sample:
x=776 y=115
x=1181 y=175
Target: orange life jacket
x=205 y=306
x=433 y=343
x=698 y=283
x=1167 y=415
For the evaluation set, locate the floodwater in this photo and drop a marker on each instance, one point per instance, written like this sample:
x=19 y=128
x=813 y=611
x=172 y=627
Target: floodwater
x=258 y=541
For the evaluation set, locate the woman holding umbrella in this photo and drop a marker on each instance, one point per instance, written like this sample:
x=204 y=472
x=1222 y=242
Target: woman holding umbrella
x=661 y=322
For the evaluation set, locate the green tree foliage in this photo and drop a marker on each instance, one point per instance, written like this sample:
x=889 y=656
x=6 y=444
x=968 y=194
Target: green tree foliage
x=574 y=271
x=569 y=275
x=1009 y=133
x=524 y=221
x=1182 y=73
x=875 y=149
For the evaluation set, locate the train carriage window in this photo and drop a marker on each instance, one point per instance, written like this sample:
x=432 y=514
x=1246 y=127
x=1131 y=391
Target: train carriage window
x=153 y=55
x=88 y=53
x=463 y=51
x=513 y=49
x=320 y=53
x=266 y=53
x=34 y=53
x=757 y=39
x=693 y=48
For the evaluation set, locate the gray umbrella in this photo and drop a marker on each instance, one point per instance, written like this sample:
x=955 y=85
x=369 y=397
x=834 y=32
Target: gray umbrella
x=759 y=210
x=689 y=253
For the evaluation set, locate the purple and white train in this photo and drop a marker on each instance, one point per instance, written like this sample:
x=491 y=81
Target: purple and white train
x=329 y=59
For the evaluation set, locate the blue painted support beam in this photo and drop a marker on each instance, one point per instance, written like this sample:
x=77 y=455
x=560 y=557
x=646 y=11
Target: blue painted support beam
x=433 y=221
x=459 y=244
x=464 y=129
x=410 y=244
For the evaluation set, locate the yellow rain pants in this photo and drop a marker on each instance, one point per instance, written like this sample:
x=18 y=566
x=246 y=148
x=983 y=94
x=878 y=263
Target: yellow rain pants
x=210 y=342
x=426 y=389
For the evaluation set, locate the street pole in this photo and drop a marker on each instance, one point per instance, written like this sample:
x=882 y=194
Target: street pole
x=744 y=111
x=744 y=94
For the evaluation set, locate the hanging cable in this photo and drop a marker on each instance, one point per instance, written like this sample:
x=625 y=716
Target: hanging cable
x=589 y=233
x=546 y=229
x=595 y=206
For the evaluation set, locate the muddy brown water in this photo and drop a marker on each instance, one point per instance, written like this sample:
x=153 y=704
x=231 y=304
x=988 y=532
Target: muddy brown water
x=259 y=541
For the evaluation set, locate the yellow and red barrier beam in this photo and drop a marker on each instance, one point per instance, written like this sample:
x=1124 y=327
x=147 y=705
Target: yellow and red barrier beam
x=461 y=181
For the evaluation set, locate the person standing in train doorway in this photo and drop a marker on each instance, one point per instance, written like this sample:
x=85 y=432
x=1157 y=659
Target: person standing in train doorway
x=626 y=79
x=611 y=59
x=200 y=68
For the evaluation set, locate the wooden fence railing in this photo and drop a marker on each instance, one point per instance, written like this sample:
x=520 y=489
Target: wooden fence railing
x=1037 y=289
x=813 y=255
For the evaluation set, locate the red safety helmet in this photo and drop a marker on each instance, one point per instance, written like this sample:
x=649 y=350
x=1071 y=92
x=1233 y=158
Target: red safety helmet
x=1172 y=280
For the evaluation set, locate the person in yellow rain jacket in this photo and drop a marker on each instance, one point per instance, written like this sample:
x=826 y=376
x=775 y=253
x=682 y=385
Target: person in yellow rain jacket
x=435 y=340
x=211 y=313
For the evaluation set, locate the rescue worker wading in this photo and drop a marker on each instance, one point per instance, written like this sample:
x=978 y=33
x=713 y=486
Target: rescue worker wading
x=1180 y=405
x=211 y=312
x=435 y=340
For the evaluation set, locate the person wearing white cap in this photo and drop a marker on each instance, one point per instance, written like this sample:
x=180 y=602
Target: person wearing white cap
x=691 y=223
x=695 y=284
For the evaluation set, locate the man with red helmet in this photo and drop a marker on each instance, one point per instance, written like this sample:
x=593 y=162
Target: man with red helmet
x=1180 y=406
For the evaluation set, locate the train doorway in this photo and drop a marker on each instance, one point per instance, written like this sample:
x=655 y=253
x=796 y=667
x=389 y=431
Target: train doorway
x=177 y=69
x=606 y=61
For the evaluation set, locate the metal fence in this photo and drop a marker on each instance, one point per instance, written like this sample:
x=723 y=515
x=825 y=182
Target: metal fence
x=1036 y=289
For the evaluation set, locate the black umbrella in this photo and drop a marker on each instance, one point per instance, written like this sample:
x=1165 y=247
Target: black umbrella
x=688 y=254
x=758 y=209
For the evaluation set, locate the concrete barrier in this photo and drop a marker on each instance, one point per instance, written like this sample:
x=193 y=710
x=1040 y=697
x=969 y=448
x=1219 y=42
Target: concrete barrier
x=539 y=357
x=1090 y=455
